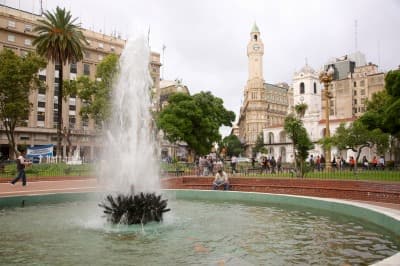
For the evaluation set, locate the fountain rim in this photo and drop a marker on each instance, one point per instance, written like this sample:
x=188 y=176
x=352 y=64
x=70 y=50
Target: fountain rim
x=384 y=217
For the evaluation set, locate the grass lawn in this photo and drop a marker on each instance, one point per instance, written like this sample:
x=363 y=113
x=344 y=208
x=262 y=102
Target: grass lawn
x=45 y=170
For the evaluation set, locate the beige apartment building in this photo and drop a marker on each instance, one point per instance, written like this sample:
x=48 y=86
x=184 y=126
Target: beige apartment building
x=264 y=104
x=349 y=95
x=16 y=33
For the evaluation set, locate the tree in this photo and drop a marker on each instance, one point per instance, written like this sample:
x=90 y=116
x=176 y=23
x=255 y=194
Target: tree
x=61 y=41
x=232 y=145
x=383 y=110
x=301 y=109
x=357 y=136
x=259 y=145
x=194 y=119
x=18 y=75
x=96 y=94
x=301 y=142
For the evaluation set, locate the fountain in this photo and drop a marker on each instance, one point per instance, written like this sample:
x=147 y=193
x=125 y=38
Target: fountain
x=130 y=168
x=203 y=228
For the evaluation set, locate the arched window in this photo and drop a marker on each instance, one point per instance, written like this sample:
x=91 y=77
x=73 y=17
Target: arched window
x=302 y=88
x=270 y=138
x=282 y=137
x=283 y=154
x=255 y=37
x=315 y=88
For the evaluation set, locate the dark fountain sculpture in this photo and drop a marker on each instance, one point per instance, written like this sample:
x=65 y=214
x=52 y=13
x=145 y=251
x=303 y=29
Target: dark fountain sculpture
x=134 y=208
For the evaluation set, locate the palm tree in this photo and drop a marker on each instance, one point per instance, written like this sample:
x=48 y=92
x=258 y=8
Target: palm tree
x=61 y=41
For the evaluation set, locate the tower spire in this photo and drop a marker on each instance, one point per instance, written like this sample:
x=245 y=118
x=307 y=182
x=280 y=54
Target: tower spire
x=255 y=28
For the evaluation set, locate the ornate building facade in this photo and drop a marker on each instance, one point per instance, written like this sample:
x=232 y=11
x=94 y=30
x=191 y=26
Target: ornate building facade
x=350 y=91
x=264 y=104
x=16 y=34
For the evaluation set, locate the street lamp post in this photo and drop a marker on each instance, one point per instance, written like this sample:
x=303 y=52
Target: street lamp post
x=326 y=77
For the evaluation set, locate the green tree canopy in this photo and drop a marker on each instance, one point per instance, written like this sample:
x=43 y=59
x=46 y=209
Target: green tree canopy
x=357 y=136
x=194 y=119
x=301 y=142
x=17 y=76
x=61 y=41
x=96 y=94
x=232 y=145
x=383 y=110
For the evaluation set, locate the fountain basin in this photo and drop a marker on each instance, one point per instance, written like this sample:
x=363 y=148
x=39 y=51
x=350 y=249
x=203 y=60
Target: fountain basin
x=204 y=227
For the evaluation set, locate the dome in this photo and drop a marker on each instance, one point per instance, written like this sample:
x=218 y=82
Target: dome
x=307 y=70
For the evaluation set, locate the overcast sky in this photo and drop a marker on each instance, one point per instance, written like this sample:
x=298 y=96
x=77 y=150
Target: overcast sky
x=206 y=40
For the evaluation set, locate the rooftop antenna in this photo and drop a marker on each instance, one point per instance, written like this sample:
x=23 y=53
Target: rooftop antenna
x=148 y=37
x=163 y=60
x=41 y=7
x=379 y=54
x=355 y=36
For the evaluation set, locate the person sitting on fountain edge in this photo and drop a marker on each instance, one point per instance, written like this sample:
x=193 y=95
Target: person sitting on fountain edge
x=221 y=178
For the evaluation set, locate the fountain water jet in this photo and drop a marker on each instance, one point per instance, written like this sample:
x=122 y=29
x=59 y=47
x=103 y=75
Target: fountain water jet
x=129 y=163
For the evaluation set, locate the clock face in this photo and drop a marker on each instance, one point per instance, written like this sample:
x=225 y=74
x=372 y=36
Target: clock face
x=256 y=47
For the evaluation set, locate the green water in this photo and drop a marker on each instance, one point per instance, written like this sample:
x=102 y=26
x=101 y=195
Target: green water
x=193 y=233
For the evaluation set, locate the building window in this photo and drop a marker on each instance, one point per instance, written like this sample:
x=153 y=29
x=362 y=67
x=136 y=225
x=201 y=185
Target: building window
x=11 y=38
x=86 y=69
x=41 y=104
x=72 y=121
x=101 y=45
x=11 y=24
x=28 y=27
x=56 y=90
x=355 y=83
x=302 y=89
x=355 y=101
x=42 y=90
x=355 y=92
x=42 y=77
x=362 y=92
x=56 y=80
x=100 y=57
x=24 y=138
x=40 y=116
x=354 y=110
x=315 y=88
x=57 y=66
x=270 y=138
x=72 y=107
x=87 y=54
x=85 y=121
x=28 y=42
x=55 y=106
x=55 y=119
x=362 y=83
x=73 y=68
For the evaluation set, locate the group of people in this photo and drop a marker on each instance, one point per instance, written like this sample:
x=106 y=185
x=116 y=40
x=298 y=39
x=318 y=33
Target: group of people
x=340 y=163
x=375 y=163
x=317 y=163
x=270 y=165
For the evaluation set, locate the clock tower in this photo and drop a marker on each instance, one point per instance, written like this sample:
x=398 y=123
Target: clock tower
x=255 y=52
